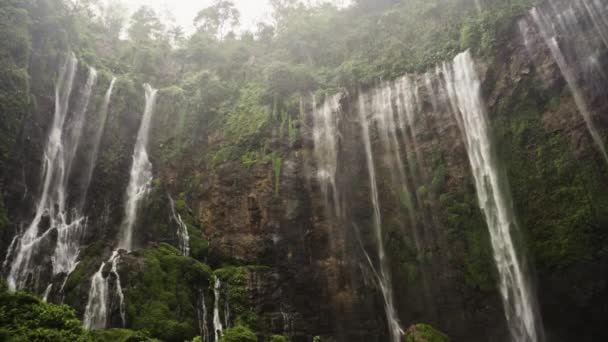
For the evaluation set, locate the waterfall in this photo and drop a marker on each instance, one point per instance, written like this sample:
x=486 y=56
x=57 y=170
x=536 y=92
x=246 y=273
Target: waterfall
x=562 y=27
x=463 y=88
x=97 y=309
x=141 y=172
x=325 y=136
x=383 y=272
x=201 y=313
x=97 y=135
x=217 y=322
x=52 y=214
x=182 y=230
x=96 y=314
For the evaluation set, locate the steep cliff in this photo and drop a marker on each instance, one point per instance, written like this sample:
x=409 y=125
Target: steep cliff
x=349 y=214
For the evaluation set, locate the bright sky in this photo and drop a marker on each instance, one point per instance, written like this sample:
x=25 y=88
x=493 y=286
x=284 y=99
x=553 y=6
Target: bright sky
x=184 y=11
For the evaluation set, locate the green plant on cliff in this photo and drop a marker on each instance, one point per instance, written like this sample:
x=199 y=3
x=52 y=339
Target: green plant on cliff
x=235 y=280
x=544 y=168
x=238 y=333
x=424 y=333
x=4 y=220
x=161 y=295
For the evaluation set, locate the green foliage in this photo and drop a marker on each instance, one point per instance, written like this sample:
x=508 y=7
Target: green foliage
x=121 y=335
x=161 y=296
x=278 y=338
x=238 y=333
x=26 y=318
x=15 y=43
x=424 y=333
x=481 y=33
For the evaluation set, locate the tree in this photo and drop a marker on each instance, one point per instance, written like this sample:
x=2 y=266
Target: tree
x=219 y=19
x=114 y=18
x=176 y=35
x=145 y=25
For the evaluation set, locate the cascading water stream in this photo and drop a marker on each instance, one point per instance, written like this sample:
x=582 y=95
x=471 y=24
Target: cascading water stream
x=201 y=312
x=52 y=214
x=217 y=322
x=325 y=135
x=141 y=172
x=96 y=314
x=98 y=133
x=577 y=57
x=97 y=309
x=463 y=88
x=183 y=237
x=382 y=272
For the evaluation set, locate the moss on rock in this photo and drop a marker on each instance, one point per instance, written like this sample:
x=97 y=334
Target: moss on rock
x=424 y=333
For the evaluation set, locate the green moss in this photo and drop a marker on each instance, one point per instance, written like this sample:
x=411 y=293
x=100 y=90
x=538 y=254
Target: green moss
x=424 y=333
x=462 y=216
x=559 y=202
x=238 y=296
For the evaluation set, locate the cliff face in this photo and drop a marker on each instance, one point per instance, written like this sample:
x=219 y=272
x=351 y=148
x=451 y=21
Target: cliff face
x=297 y=255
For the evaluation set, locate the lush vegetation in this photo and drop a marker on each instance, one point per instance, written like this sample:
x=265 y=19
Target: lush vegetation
x=26 y=318
x=235 y=97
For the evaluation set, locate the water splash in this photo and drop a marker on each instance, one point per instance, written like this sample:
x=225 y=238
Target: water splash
x=463 y=88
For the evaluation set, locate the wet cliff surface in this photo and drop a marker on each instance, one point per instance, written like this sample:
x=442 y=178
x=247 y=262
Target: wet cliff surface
x=282 y=231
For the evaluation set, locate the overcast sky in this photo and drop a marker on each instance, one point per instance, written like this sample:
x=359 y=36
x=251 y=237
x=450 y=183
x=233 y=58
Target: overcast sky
x=184 y=11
